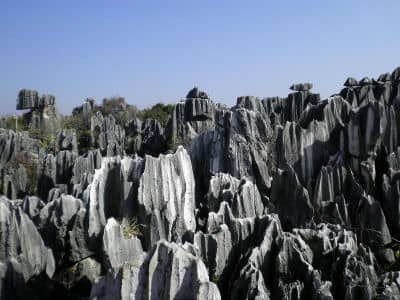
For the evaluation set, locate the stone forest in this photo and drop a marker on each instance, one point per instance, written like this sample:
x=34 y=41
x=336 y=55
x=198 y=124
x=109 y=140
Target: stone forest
x=292 y=197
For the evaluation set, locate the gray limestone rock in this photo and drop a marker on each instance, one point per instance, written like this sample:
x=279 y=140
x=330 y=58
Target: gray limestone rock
x=27 y=99
x=329 y=193
x=21 y=244
x=56 y=221
x=168 y=272
x=305 y=150
x=391 y=202
x=152 y=138
x=65 y=162
x=390 y=284
x=374 y=230
x=215 y=250
x=14 y=181
x=105 y=196
x=48 y=174
x=291 y=200
x=257 y=274
x=327 y=172
x=384 y=77
x=43 y=114
x=121 y=243
x=32 y=206
x=107 y=135
x=66 y=140
x=190 y=118
x=241 y=148
x=365 y=81
x=166 y=198
x=355 y=275
x=365 y=128
x=396 y=74
x=86 y=165
x=242 y=195
x=350 y=82
x=301 y=87
x=13 y=145
x=79 y=278
x=195 y=93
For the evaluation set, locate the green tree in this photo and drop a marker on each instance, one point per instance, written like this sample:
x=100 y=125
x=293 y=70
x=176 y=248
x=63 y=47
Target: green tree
x=159 y=112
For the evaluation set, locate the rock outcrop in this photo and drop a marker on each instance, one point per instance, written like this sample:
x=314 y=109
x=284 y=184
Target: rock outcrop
x=166 y=198
x=23 y=254
x=43 y=114
x=168 y=272
x=108 y=136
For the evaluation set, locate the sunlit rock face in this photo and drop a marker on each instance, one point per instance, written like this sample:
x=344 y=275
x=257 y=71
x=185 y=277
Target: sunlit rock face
x=166 y=198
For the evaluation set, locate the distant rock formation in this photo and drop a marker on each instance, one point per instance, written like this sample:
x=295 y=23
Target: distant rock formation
x=43 y=114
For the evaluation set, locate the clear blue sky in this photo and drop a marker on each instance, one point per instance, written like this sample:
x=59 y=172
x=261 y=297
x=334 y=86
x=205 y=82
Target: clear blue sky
x=150 y=51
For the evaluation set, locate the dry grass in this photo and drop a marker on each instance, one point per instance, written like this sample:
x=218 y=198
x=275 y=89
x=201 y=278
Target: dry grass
x=132 y=228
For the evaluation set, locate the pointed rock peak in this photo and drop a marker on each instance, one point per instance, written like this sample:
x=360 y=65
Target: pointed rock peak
x=365 y=81
x=196 y=93
x=396 y=74
x=301 y=87
x=384 y=77
x=351 y=82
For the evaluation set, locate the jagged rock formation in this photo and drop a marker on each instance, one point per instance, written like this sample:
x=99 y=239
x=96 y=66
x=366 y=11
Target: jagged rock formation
x=23 y=254
x=107 y=135
x=191 y=117
x=145 y=137
x=242 y=195
x=86 y=109
x=120 y=244
x=169 y=271
x=59 y=222
x=273 y=198
x=29 y=99
x=165 y=198
x=43 y=114
x=66 y=140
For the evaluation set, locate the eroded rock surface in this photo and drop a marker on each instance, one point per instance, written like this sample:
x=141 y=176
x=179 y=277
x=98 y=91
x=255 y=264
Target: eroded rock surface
x=273 y=198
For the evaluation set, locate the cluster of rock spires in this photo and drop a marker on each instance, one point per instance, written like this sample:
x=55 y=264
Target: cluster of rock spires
x=43 y=114
x=275 y=198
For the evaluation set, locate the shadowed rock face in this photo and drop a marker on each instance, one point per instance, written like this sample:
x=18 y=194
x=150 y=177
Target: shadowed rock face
x=29 y=99
x=107 y=135
x=291 y=200
x=274 y=198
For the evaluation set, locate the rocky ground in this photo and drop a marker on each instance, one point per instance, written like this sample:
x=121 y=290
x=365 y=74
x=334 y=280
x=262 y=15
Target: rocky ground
x=275 y=198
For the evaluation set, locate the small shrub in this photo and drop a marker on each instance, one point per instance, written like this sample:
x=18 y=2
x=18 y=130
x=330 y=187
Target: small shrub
x=45 y=139
x=132 y=228
x=173 y=143
x=215 y=278
x=119 y=109
x=159 y=112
